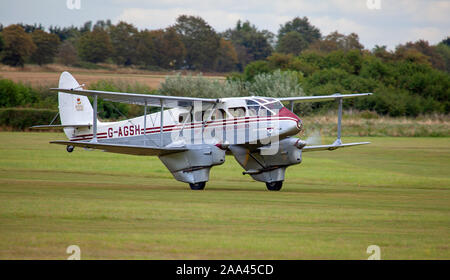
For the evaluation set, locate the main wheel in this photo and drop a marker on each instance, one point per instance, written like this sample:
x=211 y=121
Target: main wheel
x=198 y=186
x=274 y=186
x=70 y=148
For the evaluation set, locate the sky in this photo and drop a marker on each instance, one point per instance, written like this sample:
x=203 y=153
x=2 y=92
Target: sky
x=377 y=22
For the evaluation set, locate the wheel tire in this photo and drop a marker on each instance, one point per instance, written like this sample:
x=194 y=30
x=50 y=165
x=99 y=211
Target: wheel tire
x=70 y=148
x=274 y=186
x=198 y=186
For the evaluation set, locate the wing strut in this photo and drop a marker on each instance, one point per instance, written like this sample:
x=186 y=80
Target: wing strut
x=338 y=139
x=161 y=123
x=145 y=123
x=94 y=126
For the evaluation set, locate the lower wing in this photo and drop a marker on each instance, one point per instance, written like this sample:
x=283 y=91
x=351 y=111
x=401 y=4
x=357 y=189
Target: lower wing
x=331 y=147
x=123 y=149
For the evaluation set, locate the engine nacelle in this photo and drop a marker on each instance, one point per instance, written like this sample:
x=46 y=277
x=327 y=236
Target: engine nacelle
x=193 y=166
x=266 y=164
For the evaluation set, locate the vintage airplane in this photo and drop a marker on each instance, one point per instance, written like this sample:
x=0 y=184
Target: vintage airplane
x=194 y=134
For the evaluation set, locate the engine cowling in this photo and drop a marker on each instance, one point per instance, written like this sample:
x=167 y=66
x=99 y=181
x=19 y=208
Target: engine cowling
x=193 y=166
x=269 y=163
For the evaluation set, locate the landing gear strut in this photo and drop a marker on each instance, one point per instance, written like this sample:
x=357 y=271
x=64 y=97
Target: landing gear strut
x=70 y=148
x=274 y=186
x=198 y=186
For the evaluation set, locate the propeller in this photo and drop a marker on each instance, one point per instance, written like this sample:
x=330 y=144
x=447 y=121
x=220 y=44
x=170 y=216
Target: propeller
x=315 y=138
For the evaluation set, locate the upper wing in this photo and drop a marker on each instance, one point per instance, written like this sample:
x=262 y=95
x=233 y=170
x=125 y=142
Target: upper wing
x=331 y=147
x=123 y=149
x=321 y=97
x=140 y=99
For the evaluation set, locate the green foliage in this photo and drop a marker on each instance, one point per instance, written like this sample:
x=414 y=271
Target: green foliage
x=201 y=41
x=14 y=95
x=401 y=87
x=337 y=41
x=23 y=118
x=110 y=110
x=276 y=84
x=163 y=49
x=18 y=45
x=95 y=46
x=20 y=95
x=226 y=59
x=124 y=42
x=250 y=43
x=306 y=30
x=67 y=54
x=2 y=42
x=46 y=47
x=444 y=51
x=293 y=43
x=256 y=68
x=200 y=86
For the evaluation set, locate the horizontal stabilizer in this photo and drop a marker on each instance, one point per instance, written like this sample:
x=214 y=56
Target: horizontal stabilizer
x=331 y=147
x=123 y=149
x=56 y=126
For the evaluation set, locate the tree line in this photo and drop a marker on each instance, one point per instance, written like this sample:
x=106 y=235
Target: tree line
x=411 y=80
x=191 y=43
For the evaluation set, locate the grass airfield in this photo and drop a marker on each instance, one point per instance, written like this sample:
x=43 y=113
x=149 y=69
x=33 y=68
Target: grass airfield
x=394 y=193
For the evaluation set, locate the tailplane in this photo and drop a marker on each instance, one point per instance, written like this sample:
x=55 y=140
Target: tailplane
x=74 y=110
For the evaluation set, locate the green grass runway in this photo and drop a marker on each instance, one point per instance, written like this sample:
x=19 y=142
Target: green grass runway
x=394 y=193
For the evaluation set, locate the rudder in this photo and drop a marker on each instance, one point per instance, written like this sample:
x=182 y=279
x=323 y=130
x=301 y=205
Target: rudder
x=73 y=109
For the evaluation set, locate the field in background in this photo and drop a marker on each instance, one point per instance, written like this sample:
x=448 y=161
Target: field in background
x=393 y=193
x=49 y=75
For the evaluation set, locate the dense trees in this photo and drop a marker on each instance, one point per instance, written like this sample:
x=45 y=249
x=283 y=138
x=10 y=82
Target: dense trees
x=161 y=48
x=18 y=45
x=292 y=42
x=402 y=86
x=124 y=43
x=67 y=53
x=410 y=80
x=95 y=46
x=337 y=41
x=201 y=41
x=250 y=43
x=46 y=46
x=303 y=27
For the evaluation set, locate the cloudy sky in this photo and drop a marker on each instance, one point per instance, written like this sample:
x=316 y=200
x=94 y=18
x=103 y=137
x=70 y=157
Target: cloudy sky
x=382 y=22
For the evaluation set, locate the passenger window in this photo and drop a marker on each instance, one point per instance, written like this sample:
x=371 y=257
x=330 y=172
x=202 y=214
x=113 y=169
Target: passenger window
x=182 y=117
x=219 y=114
x=198 y=116
x=253 y=111
x=264 y=113
x=237 y=112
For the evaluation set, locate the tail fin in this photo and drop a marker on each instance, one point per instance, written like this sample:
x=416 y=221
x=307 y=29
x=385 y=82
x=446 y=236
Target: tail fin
x=73 y=109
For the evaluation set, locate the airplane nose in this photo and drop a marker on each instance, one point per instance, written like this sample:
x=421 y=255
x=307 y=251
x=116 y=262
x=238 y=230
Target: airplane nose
x=284 y=112
x=299 y=125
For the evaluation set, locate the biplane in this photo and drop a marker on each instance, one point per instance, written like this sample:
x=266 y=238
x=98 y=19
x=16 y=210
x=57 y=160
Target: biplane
x=191 y=135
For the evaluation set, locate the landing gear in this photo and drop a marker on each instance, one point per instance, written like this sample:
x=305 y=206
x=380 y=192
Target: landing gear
x=274 y=186
x=70 y=148
x=198 y=186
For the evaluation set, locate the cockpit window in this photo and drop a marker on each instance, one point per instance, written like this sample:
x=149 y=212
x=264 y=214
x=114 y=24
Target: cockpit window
x=263 y=106
x=274 y=105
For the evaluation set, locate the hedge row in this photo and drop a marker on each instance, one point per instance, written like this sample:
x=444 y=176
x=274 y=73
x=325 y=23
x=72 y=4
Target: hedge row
x=23 y=118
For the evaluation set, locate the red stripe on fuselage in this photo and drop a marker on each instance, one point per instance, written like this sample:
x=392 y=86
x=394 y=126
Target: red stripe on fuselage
x=225 y=122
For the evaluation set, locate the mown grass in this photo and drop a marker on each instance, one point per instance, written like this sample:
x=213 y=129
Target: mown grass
x=393 y=193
